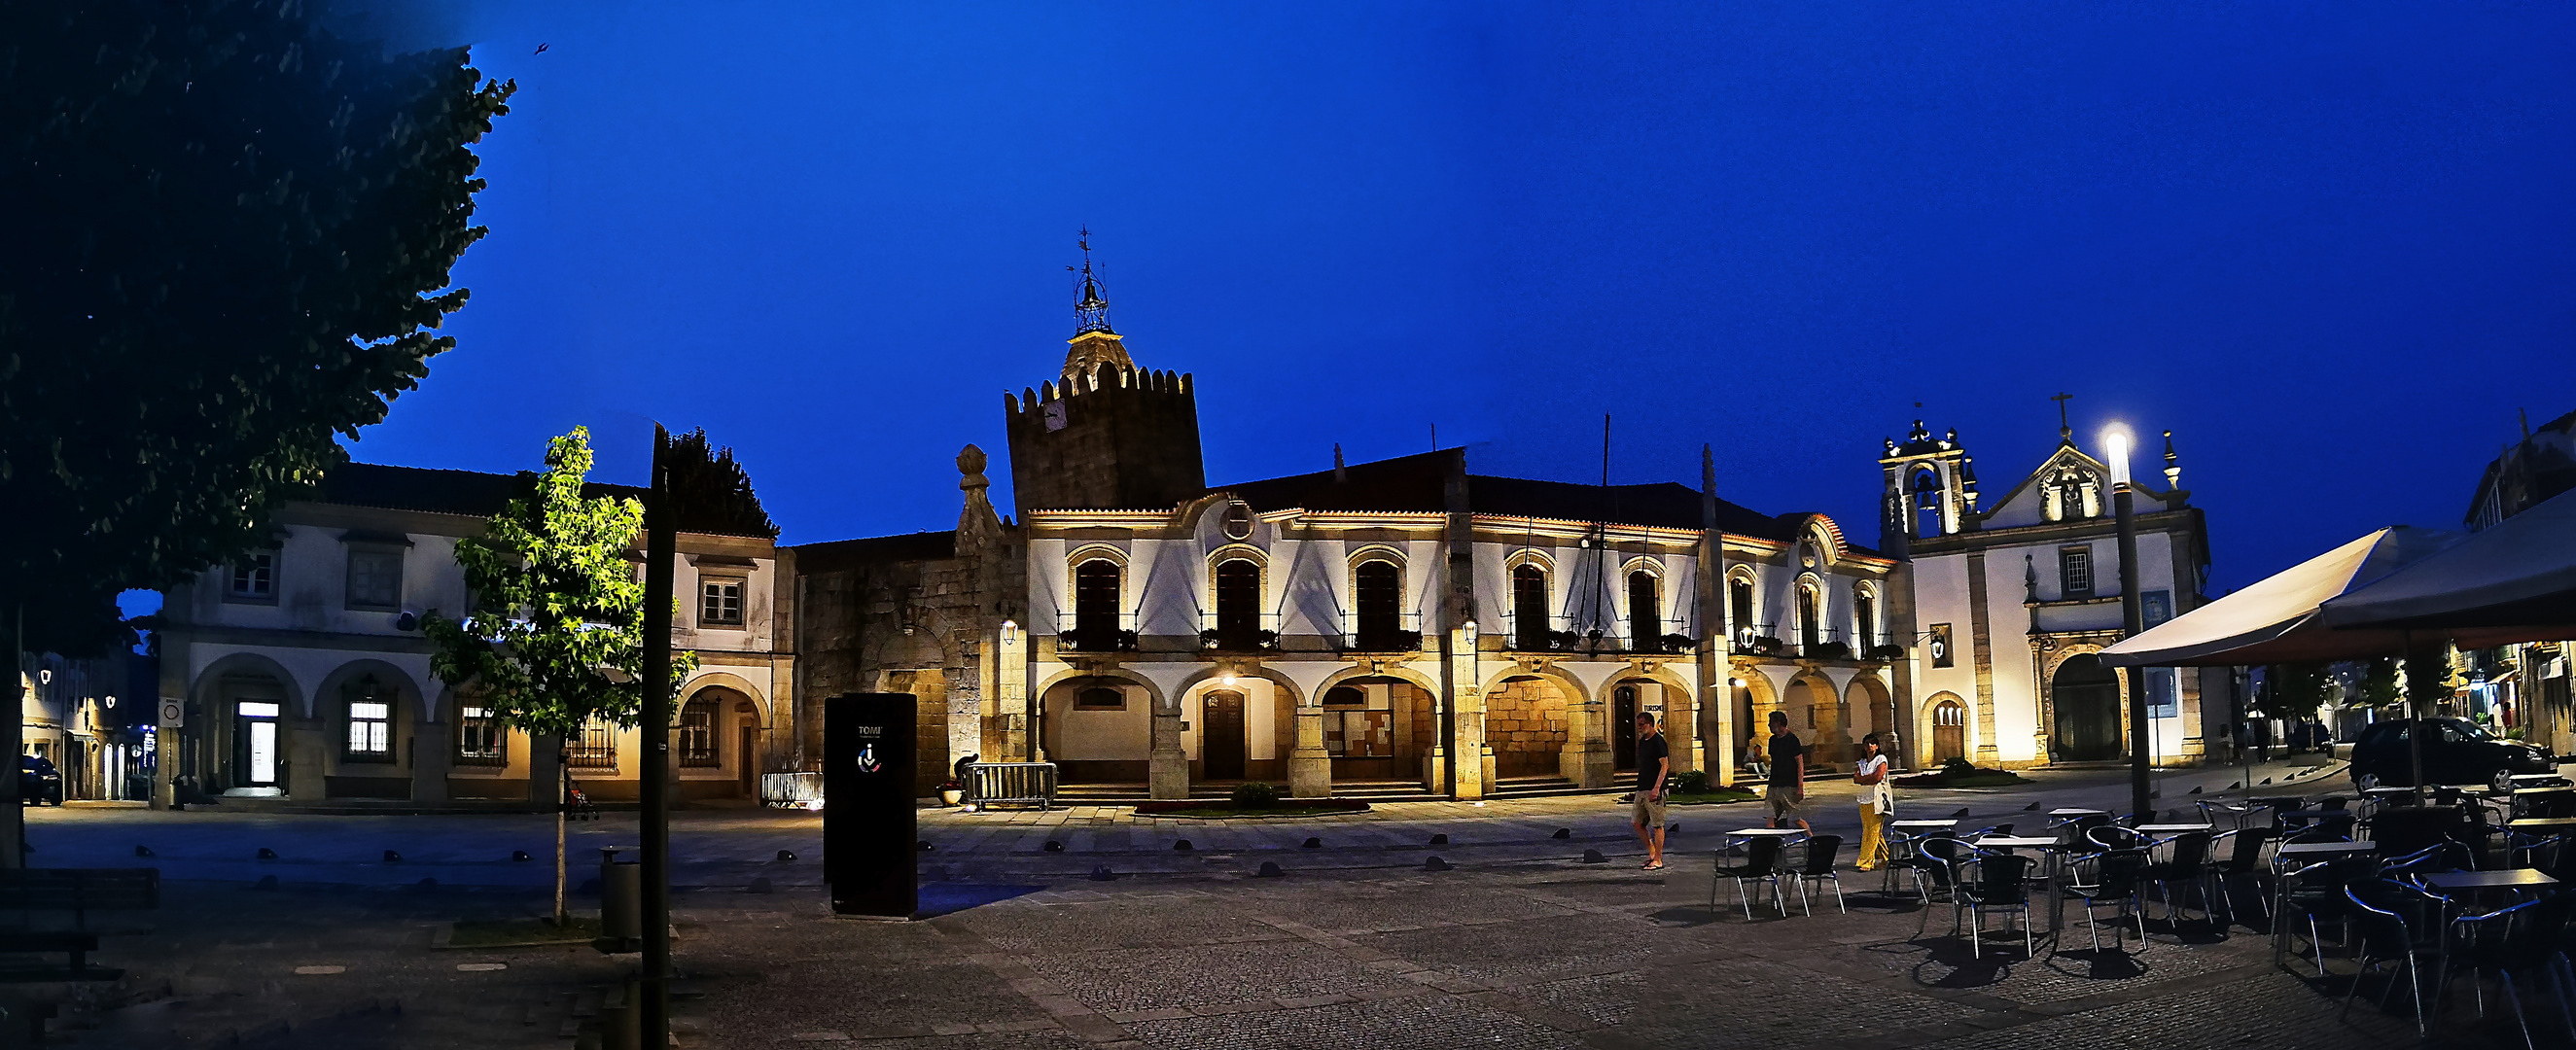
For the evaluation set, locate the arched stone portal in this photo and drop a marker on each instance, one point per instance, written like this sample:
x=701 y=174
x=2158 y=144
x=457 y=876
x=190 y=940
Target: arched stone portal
x=2084 y=702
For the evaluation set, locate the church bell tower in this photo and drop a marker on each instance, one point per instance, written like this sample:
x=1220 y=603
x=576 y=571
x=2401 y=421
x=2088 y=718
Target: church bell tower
x=1104 y=434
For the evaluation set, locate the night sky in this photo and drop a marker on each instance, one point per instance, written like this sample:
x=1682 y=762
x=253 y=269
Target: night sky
x=2326 y=245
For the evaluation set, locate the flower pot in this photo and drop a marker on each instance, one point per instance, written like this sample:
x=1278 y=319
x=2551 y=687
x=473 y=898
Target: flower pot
x=951 y=796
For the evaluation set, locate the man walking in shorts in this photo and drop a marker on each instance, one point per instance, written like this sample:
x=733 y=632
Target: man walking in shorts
x=1654 y=772
x=1787 y=788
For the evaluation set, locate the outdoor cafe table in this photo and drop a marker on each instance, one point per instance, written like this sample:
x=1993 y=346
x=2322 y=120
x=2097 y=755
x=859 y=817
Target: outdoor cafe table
x=2313 y=851
x=2467 y=882
x=2070 y=814
x=2174 y=829
x=1922 y=825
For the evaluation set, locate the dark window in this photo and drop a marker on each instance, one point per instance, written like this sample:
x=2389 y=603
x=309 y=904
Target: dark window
x=594 y=745
x=1378 y=595
x=1865 y=619
x=1739 y=599
x=1095 y=603
x=720 y=603
x=1529 y=608
x=1100 y=696
x=255 y=577
x=375 y=579
x=481 y=740
x=371 y=721
x=1809 y=624
x=2075 y=572
x=697 y=736
x=1645 y=613
x=1238 y=603
x=1345 y=696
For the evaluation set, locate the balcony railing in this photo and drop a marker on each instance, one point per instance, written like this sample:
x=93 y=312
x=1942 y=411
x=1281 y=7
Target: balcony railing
x=1259 y=635
x=1656 y=635
x=1756 y=639
x=1400 y=633
x=1099 y=634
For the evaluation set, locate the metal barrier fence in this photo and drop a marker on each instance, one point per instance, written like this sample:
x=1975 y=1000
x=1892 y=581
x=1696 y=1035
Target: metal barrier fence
x=801 y=790
x=1012 y=782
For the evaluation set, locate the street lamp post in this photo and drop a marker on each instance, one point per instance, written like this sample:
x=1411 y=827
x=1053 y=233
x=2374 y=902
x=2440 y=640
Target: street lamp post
x=2132 y=620
x=660 y=536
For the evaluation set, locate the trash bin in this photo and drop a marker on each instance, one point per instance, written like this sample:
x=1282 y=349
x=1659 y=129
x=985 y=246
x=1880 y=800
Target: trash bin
x=621 y=904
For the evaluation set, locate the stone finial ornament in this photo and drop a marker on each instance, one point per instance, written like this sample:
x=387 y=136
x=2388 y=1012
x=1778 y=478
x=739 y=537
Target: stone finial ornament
x=970 y=462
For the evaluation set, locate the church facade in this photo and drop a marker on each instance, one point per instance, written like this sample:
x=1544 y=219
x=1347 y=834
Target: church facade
x=2011 y=602
x=1405 y=624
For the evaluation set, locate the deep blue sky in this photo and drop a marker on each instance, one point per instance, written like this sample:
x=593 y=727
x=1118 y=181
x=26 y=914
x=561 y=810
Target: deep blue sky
x=2327 y=245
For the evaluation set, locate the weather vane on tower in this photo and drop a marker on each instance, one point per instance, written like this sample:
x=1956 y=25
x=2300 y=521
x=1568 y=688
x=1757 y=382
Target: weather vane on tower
x=1092 y=313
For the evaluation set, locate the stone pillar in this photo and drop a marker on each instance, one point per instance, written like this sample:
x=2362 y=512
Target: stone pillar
x=1467 y=718
x=308 y=750
x=1587 y=759
x=1681 y=726
x=1310 y=767
x=1167 y=765
x=430 y=748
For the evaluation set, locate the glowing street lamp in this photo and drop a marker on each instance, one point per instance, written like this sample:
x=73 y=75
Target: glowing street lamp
x=2115 y=443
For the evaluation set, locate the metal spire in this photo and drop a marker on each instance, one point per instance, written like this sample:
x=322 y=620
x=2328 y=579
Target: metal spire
x=1092 y=313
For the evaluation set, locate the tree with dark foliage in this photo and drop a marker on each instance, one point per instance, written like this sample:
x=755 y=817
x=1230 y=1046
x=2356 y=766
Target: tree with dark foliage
x=710 y=491
x=230 y=235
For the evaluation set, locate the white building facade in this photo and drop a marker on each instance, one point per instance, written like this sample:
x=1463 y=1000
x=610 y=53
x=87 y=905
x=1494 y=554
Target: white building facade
x=300 y=671
x=2010 y=602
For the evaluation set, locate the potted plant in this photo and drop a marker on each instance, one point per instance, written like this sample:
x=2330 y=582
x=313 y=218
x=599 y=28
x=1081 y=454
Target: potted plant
x=952 y=792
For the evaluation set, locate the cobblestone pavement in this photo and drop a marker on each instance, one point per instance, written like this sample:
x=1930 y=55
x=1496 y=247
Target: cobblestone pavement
x=1521 y=945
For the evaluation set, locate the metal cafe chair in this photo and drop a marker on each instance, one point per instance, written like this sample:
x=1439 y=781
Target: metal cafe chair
x=1761 y=864
x=2315 y=893
x=2523 y=938
x=2242 y=857
x=2187 y=863
x=1996 y=882
x=2118 y=881
x=2117 y=837
x=1938 y=858
x=2389 y=938
x=1819 y=867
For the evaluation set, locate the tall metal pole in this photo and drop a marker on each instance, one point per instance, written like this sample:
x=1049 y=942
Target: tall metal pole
x=2132 y=620
x=659 y=539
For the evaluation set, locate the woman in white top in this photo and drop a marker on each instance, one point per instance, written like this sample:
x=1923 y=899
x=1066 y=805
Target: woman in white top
x=1877 y=804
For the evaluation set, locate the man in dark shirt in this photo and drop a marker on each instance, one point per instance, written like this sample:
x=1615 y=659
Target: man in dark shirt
x=1654 y=773
x=1787 y=789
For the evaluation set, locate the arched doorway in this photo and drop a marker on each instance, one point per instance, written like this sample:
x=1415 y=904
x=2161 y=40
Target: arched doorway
x=1949 y=730
x=2084 y=697
x=1816 y=715
x=1377 y=727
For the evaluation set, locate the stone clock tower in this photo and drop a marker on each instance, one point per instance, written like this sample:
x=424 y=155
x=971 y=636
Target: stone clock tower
x=1105 y=434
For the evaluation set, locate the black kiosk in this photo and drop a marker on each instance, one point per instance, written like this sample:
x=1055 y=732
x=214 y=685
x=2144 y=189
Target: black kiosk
x=870 y=842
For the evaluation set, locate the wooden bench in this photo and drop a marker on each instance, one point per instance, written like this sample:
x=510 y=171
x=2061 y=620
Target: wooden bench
x=78 y=891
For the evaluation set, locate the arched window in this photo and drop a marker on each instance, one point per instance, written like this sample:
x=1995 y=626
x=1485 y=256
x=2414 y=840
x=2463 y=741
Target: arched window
x=1645 y=613
x=371 y=720
x=1345 y=696
x=1377 y=601
x=1927 y=502
x=1529 y=608
x=1099 y=697
x=1810 y=622
x=1865 y=619
x=696 y=741
x=1095 y=604
x=1238 y=603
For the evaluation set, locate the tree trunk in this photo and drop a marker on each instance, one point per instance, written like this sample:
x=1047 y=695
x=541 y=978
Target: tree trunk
x=563 y=918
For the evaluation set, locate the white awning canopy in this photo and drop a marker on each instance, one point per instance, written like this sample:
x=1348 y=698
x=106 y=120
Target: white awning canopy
x=2276 y=619
x=2515 y=582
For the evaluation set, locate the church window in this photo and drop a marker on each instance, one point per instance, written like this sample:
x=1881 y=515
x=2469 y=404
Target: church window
x=1529 y=608
x=2075 y=572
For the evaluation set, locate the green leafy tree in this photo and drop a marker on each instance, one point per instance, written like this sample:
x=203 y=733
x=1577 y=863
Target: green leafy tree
x=555 y=637
x=229 y=241
x=2379 y=687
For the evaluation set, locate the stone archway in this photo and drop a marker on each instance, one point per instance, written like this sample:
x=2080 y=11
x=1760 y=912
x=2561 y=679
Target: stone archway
x=1752 y=698
x=1530 y=724
x=1816 y=716
x=1941 y=730
x=1873 y=710
x=1097 y=725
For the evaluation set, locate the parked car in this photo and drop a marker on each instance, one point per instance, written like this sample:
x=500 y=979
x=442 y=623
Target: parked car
x=2456 y=751
x=38 y=781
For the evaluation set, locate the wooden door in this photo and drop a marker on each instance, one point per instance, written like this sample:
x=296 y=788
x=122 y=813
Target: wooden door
x=748 y=758
x=1949 y=732
x=1221 y=747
